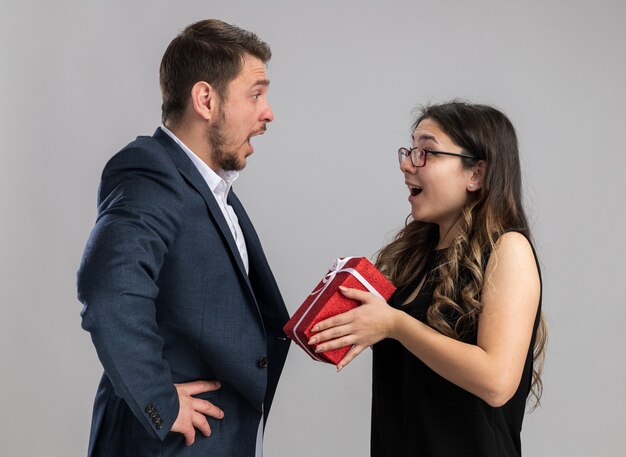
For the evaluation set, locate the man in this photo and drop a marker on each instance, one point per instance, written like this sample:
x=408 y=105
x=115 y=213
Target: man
x=179 y=299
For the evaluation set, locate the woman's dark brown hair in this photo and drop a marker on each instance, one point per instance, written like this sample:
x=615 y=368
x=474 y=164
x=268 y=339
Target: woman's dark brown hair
x=486 y=134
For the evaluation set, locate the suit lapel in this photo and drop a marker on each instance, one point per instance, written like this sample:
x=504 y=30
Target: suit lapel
x=257 y=259
x=272 y=305
x=194 y=178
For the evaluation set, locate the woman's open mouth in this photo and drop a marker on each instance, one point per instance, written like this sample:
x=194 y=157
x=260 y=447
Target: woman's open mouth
x=415 y=190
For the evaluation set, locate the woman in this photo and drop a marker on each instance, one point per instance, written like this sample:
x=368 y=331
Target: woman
x=458 y=348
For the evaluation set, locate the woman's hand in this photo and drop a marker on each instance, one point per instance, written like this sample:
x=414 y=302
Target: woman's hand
x=361 y=327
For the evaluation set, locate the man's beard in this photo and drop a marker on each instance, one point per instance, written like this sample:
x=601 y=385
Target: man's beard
x=223 y=158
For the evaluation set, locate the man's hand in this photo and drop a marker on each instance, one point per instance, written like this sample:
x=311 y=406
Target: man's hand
x=192 y=412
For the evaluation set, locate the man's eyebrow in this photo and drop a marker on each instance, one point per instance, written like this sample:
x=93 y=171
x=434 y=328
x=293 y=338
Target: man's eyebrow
x=425 y=137
x=261 y=82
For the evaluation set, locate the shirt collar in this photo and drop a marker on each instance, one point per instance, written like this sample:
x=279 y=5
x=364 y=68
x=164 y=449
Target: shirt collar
x=219 y=182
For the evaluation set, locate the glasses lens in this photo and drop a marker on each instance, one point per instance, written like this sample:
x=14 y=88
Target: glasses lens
x=403 y=153
x=417 y=157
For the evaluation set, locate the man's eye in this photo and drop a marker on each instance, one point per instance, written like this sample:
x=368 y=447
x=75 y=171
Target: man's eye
x=256 y=96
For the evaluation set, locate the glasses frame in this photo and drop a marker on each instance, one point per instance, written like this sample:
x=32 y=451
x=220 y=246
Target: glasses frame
x=404 y=153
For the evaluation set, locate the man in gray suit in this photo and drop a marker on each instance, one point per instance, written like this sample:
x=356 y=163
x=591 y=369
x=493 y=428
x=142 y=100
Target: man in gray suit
x=182 y=307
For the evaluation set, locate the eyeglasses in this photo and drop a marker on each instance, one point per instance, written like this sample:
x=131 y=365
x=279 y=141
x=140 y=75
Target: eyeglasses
x=419 y=155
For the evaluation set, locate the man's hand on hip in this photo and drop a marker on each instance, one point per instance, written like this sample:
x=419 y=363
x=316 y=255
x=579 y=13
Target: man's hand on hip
x=192 y=412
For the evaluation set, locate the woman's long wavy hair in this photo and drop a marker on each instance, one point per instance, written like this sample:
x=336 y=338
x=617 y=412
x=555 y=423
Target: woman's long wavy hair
x=487 y=134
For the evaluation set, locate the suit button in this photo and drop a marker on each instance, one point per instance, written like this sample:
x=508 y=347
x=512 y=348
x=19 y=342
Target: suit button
x=263 y=362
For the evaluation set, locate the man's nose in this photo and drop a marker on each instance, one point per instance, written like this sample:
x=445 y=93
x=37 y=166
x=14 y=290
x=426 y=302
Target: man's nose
x=267 y=115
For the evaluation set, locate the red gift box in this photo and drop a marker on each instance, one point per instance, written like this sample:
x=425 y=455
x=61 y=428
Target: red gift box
x=326 y=301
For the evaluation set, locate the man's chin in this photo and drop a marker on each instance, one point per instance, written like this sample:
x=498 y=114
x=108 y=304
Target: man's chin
x=233 y=165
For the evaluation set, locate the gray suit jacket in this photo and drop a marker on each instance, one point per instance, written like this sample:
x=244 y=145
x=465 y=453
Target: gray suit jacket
x=167 y=300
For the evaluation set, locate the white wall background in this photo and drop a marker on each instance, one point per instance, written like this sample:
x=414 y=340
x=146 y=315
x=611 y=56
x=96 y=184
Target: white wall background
x=80 y=79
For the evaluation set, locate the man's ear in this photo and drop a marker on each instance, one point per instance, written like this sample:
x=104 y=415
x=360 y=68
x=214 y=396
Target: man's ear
x=204 y=100
x=478 y=175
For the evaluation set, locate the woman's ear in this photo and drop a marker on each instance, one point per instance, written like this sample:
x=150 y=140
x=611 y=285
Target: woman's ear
x=478 y=175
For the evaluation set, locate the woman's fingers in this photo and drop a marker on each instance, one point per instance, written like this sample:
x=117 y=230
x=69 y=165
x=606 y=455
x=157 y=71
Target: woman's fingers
x=335 y=321
x=355 y=294
x=349 y=357
x=331 y=333
x=335 y=343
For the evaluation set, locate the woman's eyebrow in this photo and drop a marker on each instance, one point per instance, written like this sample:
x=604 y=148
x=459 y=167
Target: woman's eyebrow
x=424 y=137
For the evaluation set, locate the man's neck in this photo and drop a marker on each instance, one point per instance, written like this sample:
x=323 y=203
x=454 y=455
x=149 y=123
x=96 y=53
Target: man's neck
x=192 y=138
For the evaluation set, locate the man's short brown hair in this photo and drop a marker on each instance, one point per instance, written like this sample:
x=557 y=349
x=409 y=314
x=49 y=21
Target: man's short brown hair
x=209 y=50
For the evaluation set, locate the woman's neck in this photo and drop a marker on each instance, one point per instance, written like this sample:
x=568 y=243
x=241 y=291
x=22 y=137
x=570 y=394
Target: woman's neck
x=447 y=235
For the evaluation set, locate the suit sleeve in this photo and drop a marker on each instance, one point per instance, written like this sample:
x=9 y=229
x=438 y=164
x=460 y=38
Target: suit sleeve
x=137 y=221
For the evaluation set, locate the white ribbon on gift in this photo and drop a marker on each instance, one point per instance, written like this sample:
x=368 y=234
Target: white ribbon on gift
x=338 y=267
